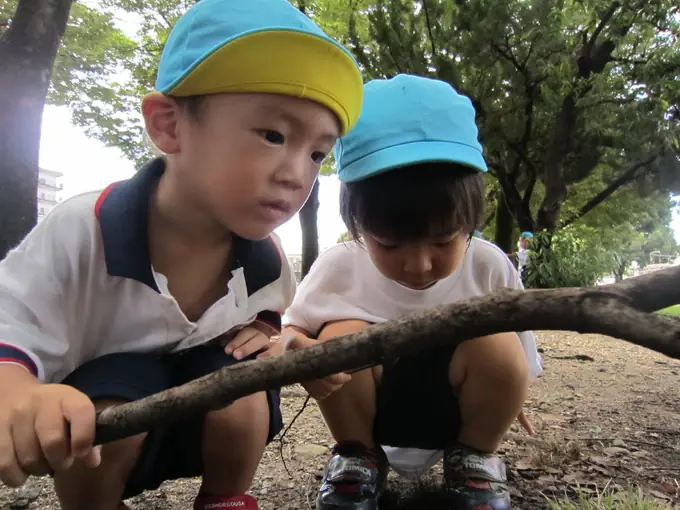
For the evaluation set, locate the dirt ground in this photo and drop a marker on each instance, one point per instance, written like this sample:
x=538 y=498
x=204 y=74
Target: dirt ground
x=607 y=414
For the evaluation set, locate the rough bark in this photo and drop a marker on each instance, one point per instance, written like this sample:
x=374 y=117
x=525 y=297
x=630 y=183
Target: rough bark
x=593 y=58
x=622 y=311
x=310 y=230
x=504 y=225
x=27 y=51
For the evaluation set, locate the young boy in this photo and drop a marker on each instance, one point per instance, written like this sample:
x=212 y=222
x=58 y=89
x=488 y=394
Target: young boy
x=412 y=197
x=175 y=272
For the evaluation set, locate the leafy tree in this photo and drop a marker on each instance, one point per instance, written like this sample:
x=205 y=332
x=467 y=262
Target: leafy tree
x=35 y=69
x=560 y=89
x=569 y=257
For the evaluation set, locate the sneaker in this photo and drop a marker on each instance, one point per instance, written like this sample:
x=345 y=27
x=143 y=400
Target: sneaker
x=244 y=502
x=353 y=478
x=477 y=480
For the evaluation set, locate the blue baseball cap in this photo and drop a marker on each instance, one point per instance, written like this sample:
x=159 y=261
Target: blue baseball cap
x=407 y=120
x=527 y=234
x=265 y=46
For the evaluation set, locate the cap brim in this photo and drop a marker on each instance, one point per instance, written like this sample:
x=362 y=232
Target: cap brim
x=280 y=61
x=410 y=154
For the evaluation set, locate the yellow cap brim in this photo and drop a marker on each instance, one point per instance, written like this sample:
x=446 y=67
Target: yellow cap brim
x=281 y=62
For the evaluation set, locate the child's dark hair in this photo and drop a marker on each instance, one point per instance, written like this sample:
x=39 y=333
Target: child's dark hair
x=414 y=202
x=191 y=104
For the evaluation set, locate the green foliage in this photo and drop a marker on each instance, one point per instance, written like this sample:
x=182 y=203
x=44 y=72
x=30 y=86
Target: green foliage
x=609 y=499
x=559 y=88
x=89 y=74
x=673 y=311
x=344 y=237
x=569 y=257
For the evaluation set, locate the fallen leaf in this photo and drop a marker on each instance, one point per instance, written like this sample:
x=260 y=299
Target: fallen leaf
x=669 y=488
x=616 y=450
x=660 y=495
x=310 y=450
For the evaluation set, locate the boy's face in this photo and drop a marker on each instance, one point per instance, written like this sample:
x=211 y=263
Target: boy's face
x=419 y=264
x=246 y=162
x=523 y=242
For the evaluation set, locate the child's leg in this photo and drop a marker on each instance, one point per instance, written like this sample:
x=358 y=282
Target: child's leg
x=357 y=470
x=349 y=412
x=124 y=470
x=225 y=446
x=233 y=443
x=490 y=375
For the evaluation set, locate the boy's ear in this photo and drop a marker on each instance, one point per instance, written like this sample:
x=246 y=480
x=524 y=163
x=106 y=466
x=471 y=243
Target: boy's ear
x=161 y=116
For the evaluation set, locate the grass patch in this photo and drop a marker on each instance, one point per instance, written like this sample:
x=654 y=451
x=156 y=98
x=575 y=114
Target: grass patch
x=609 y=499
x=671 y=310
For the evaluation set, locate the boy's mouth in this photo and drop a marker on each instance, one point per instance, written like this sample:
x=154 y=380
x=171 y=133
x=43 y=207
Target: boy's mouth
x=419 y=285
x=275 y=210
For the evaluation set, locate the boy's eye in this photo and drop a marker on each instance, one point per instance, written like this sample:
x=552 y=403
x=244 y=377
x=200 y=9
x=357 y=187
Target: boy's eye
x=387 y=246
x=443 y=244
x=273 y=137
x=318 y=157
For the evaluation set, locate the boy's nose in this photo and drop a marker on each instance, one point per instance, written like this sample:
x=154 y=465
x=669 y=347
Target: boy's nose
x=418 y=264
x=293 y=173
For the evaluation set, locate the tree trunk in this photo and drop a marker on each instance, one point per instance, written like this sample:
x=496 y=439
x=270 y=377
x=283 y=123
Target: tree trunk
x=504 y=225
x=27 y=51
x=309 y=228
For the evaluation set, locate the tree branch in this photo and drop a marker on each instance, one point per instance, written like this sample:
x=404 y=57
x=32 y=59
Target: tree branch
x=429 y=29
x=620 y=310
x=603 y=23
x=621 y=180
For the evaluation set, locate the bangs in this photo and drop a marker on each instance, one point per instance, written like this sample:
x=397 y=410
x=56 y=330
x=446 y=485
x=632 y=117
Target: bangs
x=413 y=203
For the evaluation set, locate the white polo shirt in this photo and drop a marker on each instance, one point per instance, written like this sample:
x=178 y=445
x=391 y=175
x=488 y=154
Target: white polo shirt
x=81 y=285
x=343 y=283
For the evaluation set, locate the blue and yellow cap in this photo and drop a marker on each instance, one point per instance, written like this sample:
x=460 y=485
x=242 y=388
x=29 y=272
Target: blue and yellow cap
x=407 y=120
x=265 y=46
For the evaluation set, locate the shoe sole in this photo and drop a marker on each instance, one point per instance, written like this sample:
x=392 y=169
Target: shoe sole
x=366 y=505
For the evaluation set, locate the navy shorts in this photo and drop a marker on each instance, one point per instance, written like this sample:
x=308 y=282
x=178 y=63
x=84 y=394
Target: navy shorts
x=169 y=452
x=415 y=404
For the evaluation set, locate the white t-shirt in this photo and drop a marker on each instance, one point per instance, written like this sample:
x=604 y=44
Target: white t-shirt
x=522 y=257
x=81 y=285
x=344 y=284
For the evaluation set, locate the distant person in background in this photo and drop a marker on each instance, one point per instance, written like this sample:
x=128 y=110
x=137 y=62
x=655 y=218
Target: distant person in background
x=523 y=252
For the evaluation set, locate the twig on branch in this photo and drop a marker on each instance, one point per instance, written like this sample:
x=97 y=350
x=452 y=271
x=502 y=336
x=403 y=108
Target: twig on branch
x=620 y=310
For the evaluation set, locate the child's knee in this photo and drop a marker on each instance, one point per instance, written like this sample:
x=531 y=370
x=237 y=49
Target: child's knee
x=498 y=360
x=245 y=413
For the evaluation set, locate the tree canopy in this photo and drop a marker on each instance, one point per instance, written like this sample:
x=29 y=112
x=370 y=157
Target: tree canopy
x=578 y=102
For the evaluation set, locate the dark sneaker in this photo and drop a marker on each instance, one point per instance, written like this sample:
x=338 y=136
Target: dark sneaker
x=477 y=479
x=353 y=478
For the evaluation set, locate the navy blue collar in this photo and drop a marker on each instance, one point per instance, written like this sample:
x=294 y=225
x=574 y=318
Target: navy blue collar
x=123 y=212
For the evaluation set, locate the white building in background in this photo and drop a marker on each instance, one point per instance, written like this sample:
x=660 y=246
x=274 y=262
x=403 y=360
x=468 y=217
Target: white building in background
x=296 y=262
x=48 y=191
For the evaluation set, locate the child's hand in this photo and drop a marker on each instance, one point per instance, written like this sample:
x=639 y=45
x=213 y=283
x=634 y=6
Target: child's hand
x=44 y=428
x=247 y=341
x=275 y=348
x=319 y=388
x=526 y=425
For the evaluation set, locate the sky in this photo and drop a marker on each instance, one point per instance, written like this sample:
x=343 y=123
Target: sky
x=88 y=165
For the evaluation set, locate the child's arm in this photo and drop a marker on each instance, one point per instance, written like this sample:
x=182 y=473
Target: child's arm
x=37 y=306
